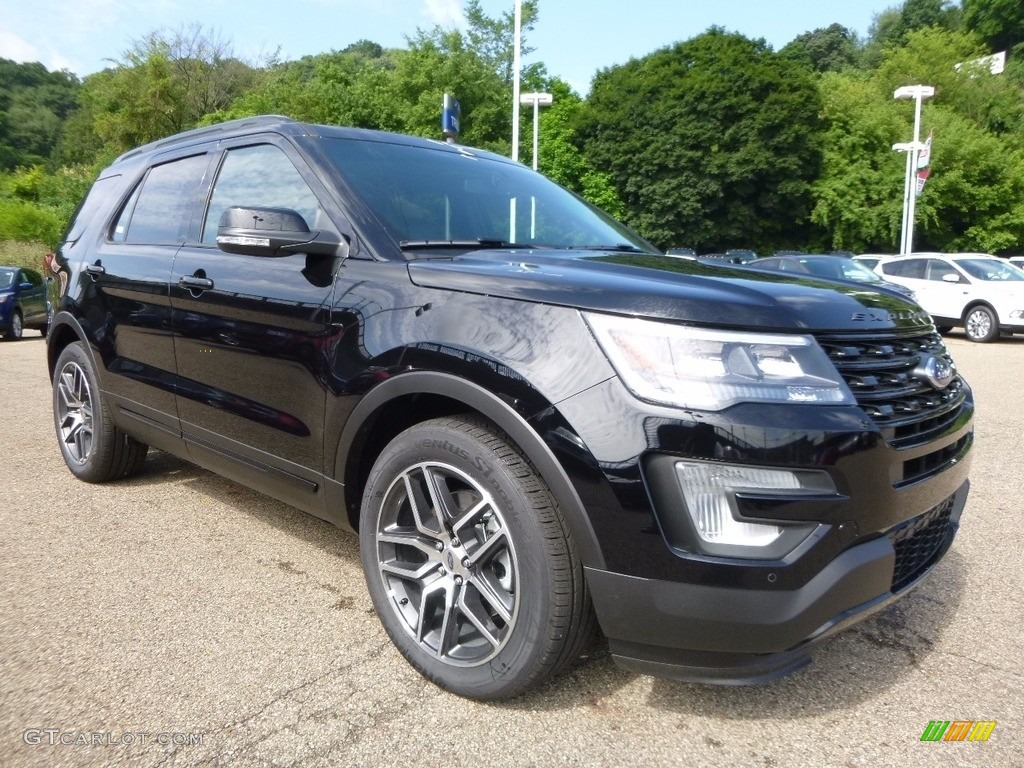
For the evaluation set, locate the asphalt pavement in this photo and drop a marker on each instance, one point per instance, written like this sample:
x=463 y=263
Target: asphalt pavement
x=177 y=619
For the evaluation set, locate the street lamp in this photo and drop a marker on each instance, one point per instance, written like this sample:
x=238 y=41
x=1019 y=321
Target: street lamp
x=913 y=149
x=538 y=100
x=517 y=65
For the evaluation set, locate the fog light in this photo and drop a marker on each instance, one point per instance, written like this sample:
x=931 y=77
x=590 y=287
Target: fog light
x=710 y=494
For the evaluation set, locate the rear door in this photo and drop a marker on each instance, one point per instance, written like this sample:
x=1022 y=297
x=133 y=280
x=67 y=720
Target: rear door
x=126 y=297
x=249 y=333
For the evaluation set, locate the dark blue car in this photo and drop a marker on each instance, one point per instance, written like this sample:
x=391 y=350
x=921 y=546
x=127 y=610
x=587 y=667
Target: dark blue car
x=23 y=302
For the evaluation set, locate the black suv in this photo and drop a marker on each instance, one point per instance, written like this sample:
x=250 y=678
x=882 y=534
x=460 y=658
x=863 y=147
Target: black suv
x=536 y=422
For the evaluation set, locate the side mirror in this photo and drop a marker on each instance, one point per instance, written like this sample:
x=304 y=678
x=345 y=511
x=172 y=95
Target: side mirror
x=949 y=277
x=273 y=232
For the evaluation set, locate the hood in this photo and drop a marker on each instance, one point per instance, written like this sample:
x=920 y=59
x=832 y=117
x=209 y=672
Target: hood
x=670 y=288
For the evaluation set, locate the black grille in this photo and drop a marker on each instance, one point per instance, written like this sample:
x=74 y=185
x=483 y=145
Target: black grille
x=919 y=543
x=879 y=369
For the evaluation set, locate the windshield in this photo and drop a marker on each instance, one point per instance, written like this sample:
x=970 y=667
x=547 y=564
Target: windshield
x=990 y=269
x=838 y=267
x=6 y=278
x=430 y=198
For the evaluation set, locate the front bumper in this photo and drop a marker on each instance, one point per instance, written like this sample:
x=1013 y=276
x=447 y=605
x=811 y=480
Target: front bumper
x=726 y=635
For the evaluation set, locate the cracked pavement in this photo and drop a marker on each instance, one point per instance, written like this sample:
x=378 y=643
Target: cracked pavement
x=179 y=603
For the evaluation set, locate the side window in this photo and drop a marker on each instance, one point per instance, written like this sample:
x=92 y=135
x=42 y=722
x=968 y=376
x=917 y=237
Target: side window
x=259 y=176
x=32 y=277
x=938 y=270
x=160 y=209
x=913 y=268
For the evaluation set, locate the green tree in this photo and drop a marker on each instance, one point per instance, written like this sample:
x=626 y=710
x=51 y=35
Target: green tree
x=942 y=58
x=712 y=142
x=973 y=197
x=999 y=22
x=858 y=196
x=829 y=49
x=890 y=28
x=494 y=38
x=165 y=83
x=33 y=104
x=561 y=159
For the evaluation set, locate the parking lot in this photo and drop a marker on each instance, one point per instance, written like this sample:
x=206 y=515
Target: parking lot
x=178 y=619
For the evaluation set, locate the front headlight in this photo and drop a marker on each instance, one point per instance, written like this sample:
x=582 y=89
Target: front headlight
x=4 y=297
x=711 y=370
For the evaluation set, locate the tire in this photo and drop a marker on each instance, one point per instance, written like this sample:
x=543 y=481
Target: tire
x=17 y=327
x=980 y=324
x=93 y=448
x=469 y=561
x=944 y=329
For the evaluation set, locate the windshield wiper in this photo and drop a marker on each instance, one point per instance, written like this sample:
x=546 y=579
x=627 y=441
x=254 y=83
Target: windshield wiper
x=480 y=242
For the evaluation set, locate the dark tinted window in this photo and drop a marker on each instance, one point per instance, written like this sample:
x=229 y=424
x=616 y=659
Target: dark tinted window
x=259 y=176
x=905 y=268
x=28 y=276
x=161 y=211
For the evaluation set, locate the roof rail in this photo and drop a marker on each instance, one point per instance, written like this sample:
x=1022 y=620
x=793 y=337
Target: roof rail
x=209 y=130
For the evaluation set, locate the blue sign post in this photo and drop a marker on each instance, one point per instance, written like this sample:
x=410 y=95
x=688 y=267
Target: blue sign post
x=450 y=113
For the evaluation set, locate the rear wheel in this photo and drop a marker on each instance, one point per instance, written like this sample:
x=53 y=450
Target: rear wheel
x=980 y=324
x=93 y=448
x=469 y=561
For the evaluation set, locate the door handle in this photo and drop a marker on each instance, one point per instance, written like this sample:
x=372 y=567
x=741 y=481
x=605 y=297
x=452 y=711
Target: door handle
x=193 y=283
x=96 y=269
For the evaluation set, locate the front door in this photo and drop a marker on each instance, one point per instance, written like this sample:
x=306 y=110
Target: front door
x=249 y=333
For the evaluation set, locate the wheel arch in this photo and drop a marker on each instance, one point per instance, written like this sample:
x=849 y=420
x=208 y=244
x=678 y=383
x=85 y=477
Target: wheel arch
x=417 y=396
x=974 y=304
x=65 y=330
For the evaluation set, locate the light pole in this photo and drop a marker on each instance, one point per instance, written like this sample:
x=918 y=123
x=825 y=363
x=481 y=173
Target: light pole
x=538 y=100
x=913 y=149
x=517 y=63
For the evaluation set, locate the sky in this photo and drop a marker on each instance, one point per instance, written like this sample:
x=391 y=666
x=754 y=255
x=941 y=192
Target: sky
x=574 y=38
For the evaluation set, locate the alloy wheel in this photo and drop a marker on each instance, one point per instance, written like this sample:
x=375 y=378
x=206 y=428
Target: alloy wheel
x=448 y=564
x=75 y=412
x=979 y=325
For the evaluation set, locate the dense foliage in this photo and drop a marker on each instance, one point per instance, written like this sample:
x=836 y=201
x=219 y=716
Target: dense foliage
x=714 y=142
x=716 y=139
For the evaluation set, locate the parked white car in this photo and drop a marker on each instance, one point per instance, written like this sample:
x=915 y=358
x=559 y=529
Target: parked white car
x=980 y=292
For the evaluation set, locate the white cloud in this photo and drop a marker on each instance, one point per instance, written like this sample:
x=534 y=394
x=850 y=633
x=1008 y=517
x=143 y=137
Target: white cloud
x=14 y=48
x=447 y=13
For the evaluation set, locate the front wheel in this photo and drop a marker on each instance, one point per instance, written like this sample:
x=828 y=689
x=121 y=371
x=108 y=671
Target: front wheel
x=980 y=324
x=16 y=328
x=469 y=561
x=93 y=448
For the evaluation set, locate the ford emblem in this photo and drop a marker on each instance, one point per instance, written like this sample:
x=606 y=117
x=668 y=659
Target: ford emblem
x=937 y=371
